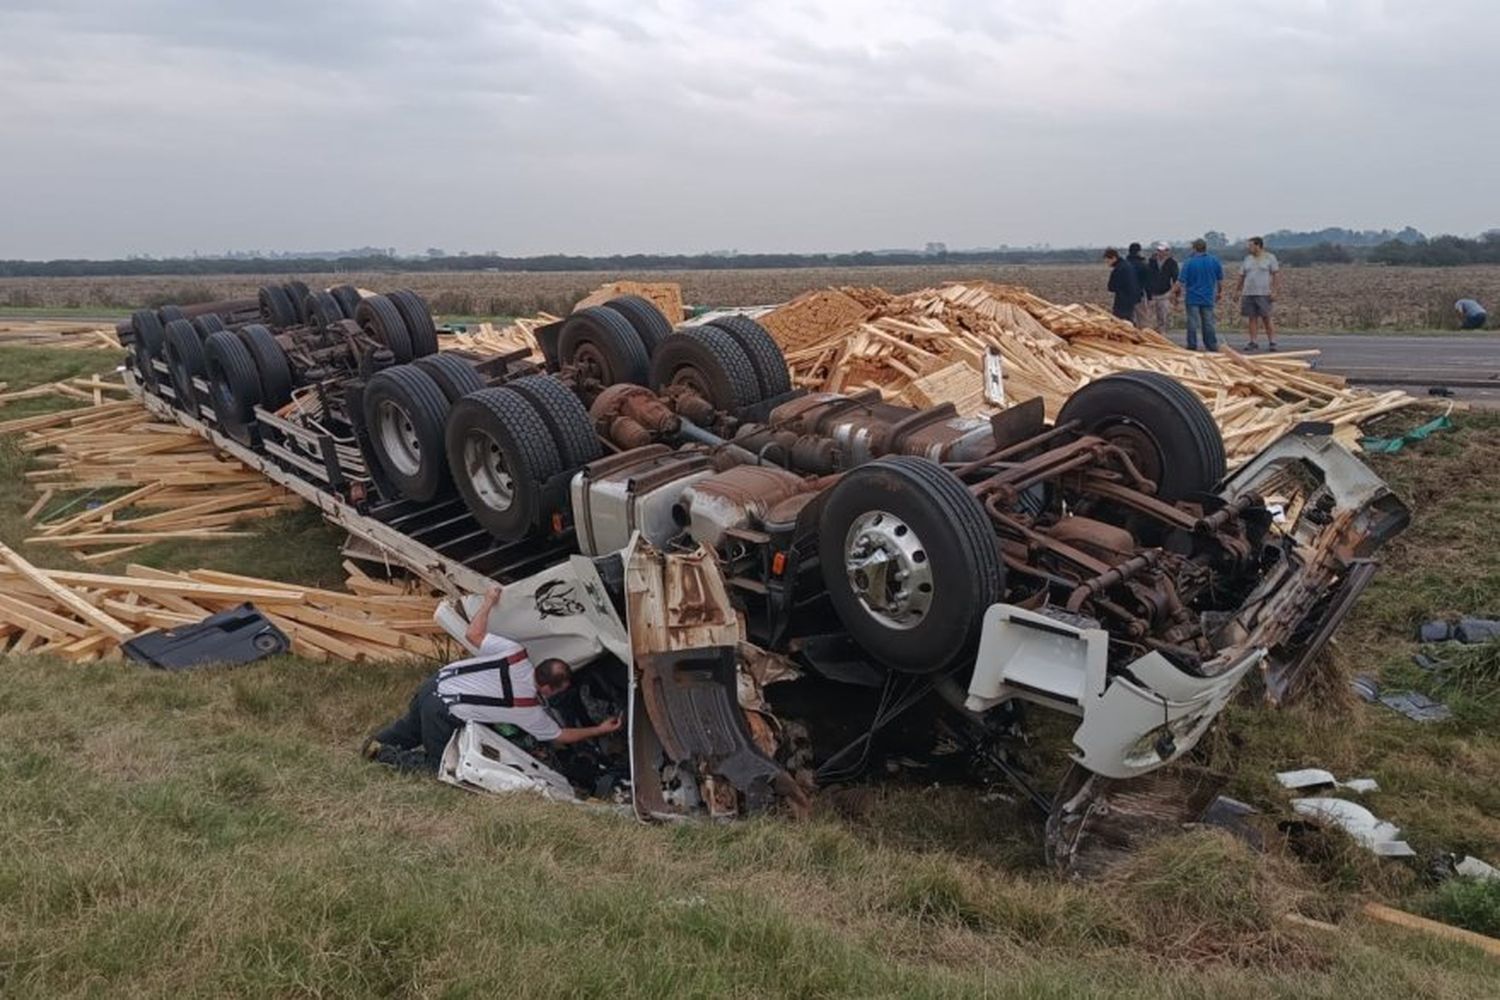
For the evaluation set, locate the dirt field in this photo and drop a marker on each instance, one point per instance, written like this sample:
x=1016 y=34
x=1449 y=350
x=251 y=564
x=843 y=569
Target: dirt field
x=1334 y=297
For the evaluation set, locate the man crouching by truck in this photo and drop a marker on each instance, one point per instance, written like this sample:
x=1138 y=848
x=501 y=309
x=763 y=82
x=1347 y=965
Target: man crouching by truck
x=500 y=685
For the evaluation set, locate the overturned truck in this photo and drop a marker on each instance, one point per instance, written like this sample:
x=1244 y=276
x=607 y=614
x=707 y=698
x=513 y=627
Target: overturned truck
x=687 y=528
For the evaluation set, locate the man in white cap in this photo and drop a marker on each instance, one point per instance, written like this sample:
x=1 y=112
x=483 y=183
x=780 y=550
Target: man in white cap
x=1161 y=282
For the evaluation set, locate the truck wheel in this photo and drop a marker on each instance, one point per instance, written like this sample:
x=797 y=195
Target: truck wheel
x=296 y=293
x=455 y=376
x=404 y=413
x=762 y=350
x=418 y=319
x=233 y=384
x=184 y=355
x=572 y=430
x=348 y=297
x=322 y=310
x=603 y=345
x=168 y=313
x=501 y=454
x=271 y=366
x=1168 y=433
x=379 y=318
x=647 y=320
x=150 y=339
x=910 y=562
x=275 y=308
x=207 y=323
x=708 y=361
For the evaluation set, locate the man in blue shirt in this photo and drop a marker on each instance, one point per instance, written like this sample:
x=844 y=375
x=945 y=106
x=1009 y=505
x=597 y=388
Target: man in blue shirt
x=1202 y=279
x=1471 y=315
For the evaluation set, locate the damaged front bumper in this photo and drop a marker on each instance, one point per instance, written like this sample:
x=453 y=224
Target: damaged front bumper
x=1145 y=713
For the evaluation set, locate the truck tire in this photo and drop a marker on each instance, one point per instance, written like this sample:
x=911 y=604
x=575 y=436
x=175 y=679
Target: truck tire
x=271 y=366
x=233 y=384
x=603 y=344
x=322 y=310
x=647 y=320
x=184 y=356
x=501 y=455
x=379 y=318
x=710 y=362
x=901 y=514
x=296 y=293
x=150 y=339
x=418 y=319
x=1169 y=434
x=405 y=412
x=208 y=323
x=455 y=376
x=348 y=297
x=275 y=308
x=764 y=353
x=572 y=430
x=168 y=313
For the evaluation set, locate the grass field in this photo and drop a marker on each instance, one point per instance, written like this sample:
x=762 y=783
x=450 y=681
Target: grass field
x=1333 y=297
x=216 y=834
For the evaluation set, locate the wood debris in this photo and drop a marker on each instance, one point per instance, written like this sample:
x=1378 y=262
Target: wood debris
x=665 y=295
x=486 y=338
x=113 y=478
x=60 y=333
x=85 y=616
x=929 y=347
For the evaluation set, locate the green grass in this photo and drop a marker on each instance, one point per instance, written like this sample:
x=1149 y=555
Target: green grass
x=63 y=312
x=216 y=834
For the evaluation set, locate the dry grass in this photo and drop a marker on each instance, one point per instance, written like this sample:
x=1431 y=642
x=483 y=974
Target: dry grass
x=1333 y=297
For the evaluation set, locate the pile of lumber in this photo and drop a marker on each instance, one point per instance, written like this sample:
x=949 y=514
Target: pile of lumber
x=114 y=479
x=486 y=338
x=929 y=347
x=665 y=295
x=59 y=333
x=85 y=616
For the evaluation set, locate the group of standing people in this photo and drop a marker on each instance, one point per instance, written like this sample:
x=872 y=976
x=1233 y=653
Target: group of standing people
x=1145 y=291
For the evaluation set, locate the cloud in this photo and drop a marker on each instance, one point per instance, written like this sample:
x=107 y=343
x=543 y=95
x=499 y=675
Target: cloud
x=585 y=126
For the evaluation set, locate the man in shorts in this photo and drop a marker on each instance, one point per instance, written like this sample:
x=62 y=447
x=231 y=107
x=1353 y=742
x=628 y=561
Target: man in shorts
x=1260 y=277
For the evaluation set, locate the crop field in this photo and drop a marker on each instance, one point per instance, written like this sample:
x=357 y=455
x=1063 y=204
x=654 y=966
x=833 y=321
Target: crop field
x=1324 y=297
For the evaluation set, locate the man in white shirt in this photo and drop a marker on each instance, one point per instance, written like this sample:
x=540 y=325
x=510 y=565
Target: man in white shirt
x=1260 y=278
x=499 y=685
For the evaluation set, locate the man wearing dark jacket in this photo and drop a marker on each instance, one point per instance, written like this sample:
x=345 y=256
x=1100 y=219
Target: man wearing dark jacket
x=1161 y=279
x=1124 y=283
x=1138 y=265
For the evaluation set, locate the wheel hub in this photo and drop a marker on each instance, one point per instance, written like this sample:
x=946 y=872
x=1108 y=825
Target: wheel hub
x=888 y=569
x=484 y=465
x=398 y=439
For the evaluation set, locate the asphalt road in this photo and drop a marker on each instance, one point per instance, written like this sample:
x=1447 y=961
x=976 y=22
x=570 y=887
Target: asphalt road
x=1468 y=365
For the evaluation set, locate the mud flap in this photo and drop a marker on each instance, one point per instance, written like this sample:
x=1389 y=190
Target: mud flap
x=691 y=747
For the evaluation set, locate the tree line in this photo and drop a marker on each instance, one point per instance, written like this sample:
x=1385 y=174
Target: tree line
x=1438 y=251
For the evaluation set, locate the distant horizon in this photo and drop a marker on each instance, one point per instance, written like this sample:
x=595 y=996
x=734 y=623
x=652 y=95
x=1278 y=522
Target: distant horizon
x=934 y=249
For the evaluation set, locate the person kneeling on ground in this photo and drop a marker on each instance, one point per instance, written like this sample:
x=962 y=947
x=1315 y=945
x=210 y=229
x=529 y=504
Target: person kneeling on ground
x=1471 y=315
x=500 y=685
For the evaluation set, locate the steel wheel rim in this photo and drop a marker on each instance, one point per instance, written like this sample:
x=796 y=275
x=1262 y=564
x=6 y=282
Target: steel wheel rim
x=888 y=570
x=398 y=438
x=484 y=467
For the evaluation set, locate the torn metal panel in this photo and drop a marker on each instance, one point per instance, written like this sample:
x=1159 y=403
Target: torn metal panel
x=239 y=635
x=693 y=745
x=1371 y=832
x=480 y=759
x=1316 y=777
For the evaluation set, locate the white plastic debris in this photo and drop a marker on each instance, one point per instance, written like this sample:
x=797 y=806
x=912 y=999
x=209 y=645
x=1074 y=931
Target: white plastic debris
x=1472 y=867
x=1316 y=777
x=1373 y=833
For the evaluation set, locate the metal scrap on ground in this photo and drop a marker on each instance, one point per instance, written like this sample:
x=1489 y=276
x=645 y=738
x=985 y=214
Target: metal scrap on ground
x=928 y=347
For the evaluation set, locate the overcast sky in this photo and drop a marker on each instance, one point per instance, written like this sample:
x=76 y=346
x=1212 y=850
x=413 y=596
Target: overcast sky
x=585 y=126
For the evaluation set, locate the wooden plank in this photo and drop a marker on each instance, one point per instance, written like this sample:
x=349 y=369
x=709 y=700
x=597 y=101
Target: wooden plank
x=36 y=508
x=44 y=623
x=1400 y=918
x=83 y=609
x=84 y=541
x=103 y=509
